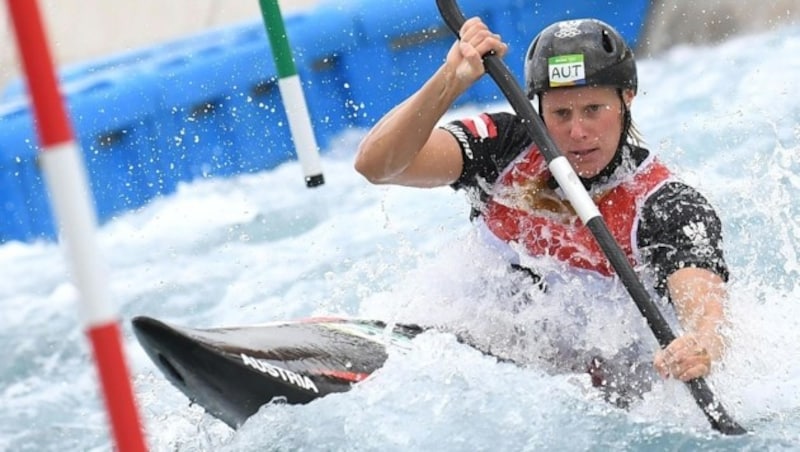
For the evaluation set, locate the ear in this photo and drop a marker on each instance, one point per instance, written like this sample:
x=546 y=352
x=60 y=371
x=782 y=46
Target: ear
x=627 y=97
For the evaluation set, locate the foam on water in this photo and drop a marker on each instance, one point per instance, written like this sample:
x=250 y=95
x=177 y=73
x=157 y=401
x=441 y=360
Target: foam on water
x=262 y=247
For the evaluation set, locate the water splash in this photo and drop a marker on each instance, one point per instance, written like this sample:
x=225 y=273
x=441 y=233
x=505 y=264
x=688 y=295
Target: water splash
x=262 y=247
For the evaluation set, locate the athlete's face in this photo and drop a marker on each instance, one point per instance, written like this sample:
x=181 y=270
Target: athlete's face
x=586 y=124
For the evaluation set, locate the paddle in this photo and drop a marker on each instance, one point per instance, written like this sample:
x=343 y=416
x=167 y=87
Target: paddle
x=591 y=217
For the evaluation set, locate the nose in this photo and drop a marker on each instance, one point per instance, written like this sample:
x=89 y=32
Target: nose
x=577 y=130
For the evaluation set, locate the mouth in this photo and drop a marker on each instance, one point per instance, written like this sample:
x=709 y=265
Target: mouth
x=582 y=153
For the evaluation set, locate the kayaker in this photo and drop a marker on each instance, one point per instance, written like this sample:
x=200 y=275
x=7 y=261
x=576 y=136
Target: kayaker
x=582 y=77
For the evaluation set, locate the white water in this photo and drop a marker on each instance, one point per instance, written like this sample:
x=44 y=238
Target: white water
x=262 y=247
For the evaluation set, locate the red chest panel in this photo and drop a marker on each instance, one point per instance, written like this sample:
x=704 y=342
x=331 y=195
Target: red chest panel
x=548 y=226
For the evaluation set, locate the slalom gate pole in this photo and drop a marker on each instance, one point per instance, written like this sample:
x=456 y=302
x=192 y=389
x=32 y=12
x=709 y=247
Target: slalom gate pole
x=68 y=187
x=291 y=89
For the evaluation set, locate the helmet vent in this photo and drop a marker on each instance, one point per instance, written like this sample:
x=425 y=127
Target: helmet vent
x=608 y=43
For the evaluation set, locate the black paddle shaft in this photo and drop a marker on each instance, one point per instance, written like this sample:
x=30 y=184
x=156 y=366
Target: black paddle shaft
x=712 y=408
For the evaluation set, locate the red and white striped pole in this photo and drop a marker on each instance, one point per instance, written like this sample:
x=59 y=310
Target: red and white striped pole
x=68 y=186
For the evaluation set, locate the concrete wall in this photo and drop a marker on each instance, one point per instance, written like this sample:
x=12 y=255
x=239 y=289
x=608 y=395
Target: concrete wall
x=712 y=21
x=84 y=29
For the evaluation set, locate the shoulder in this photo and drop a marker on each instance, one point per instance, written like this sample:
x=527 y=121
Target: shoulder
x=678 y=195
x=678 y=212
x=484 y=126
x=680 y=228
x=489 y=142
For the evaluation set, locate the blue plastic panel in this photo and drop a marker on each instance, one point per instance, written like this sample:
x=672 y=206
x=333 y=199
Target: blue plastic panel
x=209 y=105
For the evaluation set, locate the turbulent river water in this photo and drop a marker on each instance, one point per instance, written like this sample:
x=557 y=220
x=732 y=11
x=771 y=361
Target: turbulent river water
x=262 y=247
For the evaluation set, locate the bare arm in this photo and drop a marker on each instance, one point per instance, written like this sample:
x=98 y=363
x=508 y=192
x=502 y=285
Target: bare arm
x=698 y=296
x=405 y=147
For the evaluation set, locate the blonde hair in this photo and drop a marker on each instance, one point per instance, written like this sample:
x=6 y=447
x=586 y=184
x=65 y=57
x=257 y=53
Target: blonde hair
x=633 y=135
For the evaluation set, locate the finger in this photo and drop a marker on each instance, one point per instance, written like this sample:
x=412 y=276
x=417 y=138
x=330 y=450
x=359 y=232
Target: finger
x=478 y=37
x=503 y=48
x=470 y=28
x=497 y=45
x=469 y=51
x=692 y=364
x=675 y=362
x=492 y=46
x=662 y=370
x=696 y=371
x=660 y=364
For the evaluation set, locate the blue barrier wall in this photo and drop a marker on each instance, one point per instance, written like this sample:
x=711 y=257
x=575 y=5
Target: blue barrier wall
x=209 y=105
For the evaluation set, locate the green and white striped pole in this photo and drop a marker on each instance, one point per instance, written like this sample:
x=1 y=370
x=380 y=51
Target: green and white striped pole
x=294 y=100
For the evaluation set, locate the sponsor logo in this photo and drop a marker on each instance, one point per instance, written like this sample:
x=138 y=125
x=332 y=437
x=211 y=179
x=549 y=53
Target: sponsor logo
x=696 y=233
x=568 y=29
x=274 y=371
x=462 y=138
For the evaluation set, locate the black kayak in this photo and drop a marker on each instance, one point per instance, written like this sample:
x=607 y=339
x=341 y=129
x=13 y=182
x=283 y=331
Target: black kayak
x=232 y=372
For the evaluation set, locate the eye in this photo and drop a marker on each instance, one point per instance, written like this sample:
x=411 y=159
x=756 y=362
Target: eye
x=562 y=113
x=592 y=110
